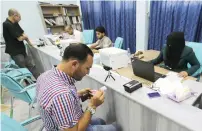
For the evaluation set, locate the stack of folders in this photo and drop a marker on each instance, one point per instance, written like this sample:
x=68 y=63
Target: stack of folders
x=67 y=20
x=50 y=22
x=59 y=20
x=74 y=20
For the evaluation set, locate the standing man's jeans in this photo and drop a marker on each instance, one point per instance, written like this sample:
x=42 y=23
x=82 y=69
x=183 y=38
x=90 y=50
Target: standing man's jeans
x=98 y=124
x=26 y=62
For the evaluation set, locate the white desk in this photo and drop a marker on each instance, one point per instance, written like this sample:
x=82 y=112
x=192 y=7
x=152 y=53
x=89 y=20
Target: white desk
x=134 y=112
x=137 y=112
x=48 y=56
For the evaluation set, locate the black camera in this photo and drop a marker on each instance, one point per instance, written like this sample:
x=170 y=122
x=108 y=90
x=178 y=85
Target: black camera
x=107 y=68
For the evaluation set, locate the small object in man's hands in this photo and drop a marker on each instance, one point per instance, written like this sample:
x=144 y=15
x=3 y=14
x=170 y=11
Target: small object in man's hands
x=104 y=88
x=86 y=96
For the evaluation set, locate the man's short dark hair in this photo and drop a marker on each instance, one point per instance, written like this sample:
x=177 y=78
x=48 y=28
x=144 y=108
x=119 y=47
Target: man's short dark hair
x=77 y=51
x=100 y=29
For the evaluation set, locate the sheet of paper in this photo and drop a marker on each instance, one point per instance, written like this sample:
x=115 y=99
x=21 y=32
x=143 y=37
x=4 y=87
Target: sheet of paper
x=164 y=86
x=173 y=76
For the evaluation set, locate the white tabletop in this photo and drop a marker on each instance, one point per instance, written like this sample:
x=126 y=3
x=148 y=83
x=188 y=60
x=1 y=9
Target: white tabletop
x=182 y=113
x=54 y=52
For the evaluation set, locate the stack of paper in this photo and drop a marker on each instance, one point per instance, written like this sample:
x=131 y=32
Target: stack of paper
x=172 y=87
x=74 y=20
x=59 y=20
x=164 y=86
x=79 y=18
x=68 y=22
x=173 y=76
x=180 y=94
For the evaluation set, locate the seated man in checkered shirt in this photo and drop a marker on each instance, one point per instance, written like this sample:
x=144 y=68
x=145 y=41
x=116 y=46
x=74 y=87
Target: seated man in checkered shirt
x=58 y=98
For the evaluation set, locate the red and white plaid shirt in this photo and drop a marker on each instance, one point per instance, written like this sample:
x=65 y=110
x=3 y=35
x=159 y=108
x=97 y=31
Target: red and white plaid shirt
x=58 y=101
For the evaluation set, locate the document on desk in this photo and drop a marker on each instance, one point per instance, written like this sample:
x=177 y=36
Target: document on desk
x=173 y=76
x=168 y=84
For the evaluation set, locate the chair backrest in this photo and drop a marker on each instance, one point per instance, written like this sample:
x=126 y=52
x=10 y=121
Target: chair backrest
x=8 y=124
x=197 y=48
x=118 y=42
x=88 y=36
x=14 y=87
x=10 y=64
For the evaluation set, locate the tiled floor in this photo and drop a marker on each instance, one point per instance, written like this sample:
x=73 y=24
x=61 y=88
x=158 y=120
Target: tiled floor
x=21 y=110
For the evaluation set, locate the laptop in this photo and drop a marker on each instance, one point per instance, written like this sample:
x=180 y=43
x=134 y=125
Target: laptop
x=145 y=70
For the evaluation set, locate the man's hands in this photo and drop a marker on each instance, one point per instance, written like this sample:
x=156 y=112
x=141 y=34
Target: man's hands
x=27 y=39
x=83 y=91
x=97 y=99
x=25 y=36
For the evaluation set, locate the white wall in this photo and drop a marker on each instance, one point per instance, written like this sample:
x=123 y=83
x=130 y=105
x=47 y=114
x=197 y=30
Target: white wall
x=31 y=21
x=142 y=24
x=33 y=26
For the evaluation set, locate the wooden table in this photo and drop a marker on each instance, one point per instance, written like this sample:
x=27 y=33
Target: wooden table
x=148 y=55
x=95 y=51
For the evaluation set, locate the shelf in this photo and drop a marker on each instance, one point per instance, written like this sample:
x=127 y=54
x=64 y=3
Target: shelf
x=52 y=14
x=50 y=5
x=76 y=23
x=72 y=15
x=56 y=5
x=53 y=11
x=55 y=26
x=70 y=6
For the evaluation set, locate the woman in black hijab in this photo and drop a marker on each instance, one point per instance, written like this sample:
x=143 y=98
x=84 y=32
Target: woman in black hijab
x=176 y=55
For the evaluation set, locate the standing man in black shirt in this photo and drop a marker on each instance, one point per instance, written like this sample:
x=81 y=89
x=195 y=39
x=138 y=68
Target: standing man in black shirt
x=14 y=37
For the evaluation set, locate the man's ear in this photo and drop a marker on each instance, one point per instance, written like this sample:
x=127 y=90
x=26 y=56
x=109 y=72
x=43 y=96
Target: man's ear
x=75 y=63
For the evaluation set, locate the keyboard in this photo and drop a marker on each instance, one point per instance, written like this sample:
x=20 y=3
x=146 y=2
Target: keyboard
x=158 y=75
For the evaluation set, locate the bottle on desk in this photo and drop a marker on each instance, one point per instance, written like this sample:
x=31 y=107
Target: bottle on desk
x=49 y=31
x=129 y=55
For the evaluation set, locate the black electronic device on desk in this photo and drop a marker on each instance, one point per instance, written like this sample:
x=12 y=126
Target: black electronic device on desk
x=145 y=70
x=132 y=86
x=107 y=68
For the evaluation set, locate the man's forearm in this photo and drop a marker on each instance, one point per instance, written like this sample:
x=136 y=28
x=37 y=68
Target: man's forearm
x=84 y=121
x=93 y=45
x=21 y=38
x=28 y=41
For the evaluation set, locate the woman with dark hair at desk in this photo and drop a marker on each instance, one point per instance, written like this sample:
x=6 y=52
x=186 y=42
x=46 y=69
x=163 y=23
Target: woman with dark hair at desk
x=176 y=55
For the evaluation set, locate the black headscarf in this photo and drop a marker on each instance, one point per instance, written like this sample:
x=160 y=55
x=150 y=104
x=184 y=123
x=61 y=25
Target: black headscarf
x=174 y=49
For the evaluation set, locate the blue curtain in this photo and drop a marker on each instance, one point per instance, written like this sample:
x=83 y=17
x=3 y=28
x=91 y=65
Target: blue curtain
x=169 y=16
x=118 y=18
